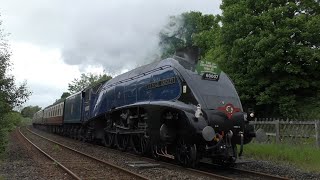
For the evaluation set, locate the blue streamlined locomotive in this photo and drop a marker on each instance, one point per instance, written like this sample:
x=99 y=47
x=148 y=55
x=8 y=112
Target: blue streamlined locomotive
x=176 y=108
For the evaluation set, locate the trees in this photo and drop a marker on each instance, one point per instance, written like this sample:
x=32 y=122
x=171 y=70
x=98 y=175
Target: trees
x=85 y=81
x=271 y=51
x=10 y=95
x=8 y=122
x=65 y=95
x=183 y=31
x=29 y=111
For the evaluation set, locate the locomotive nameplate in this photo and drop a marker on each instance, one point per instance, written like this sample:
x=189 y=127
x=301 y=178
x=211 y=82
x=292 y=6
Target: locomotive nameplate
x=163 y=82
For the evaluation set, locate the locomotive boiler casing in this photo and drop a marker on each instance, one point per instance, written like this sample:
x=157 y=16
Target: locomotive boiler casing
x=173 y=85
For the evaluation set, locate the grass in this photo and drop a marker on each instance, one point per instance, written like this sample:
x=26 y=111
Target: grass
x=303 y=157
x=56 y=147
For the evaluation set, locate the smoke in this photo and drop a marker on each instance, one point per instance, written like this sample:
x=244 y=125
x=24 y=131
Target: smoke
x=121 y=37
x=117 y=35
x=116 y=39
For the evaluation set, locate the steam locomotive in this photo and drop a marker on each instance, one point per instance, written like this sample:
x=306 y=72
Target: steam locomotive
x=176 y=108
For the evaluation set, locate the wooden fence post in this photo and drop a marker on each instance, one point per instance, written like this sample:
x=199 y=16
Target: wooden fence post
x=317 y=130
x=277 y=126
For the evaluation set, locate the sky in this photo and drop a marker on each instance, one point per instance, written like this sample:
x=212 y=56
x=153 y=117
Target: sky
x=53 y=42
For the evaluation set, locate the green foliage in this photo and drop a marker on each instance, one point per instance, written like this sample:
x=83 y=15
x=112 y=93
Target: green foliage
x=26 y=121
x=11 y=120
x=310 y=108
x=304 y=157
x=29 y=111
x=65 y=95
x=3 y=140
x=56 y=148
x=271 y=51
x=181 y=32
x=7 y=123
x=10 y=95
x=86 y=80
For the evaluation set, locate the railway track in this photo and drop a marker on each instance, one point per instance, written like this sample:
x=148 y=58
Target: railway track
x=167 y=165
x=237 y=173
x=207 y=170
x=259 y=174
x=80 y=165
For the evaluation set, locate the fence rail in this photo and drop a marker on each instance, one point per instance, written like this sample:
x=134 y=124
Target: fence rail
x=294 y=132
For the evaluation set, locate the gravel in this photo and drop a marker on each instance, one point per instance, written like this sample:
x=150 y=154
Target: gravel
x=22 y=161
x=82 y=166
x=33 y=166
x=120 y=159
x=277 y=169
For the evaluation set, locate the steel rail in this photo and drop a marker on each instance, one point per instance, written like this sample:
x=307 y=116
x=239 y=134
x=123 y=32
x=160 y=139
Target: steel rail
x=203 y=173
x=51 y=158
x=200 y=172
x=138 y=176
x=209 y=174
x=269 y=176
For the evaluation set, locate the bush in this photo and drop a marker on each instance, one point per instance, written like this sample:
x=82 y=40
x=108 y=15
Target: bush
x=309 y=108
x=3 y=140
x=7 y=123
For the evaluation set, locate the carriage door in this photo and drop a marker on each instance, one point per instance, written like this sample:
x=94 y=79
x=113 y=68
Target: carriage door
x=86 y=96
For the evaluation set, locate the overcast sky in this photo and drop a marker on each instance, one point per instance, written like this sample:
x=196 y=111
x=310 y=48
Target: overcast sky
x=53 y=42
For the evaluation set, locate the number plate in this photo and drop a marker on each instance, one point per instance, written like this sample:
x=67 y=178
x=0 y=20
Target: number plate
x=210 y=76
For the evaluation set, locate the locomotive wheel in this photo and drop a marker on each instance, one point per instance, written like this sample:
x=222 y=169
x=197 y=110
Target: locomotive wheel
x=108 y=139
x=139 y=144
x=186 y=153
x=122 y=141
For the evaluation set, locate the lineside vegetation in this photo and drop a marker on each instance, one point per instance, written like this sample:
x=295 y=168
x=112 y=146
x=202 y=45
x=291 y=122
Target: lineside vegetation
x=11 y=95
x=304 y=157
x=270 y=49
